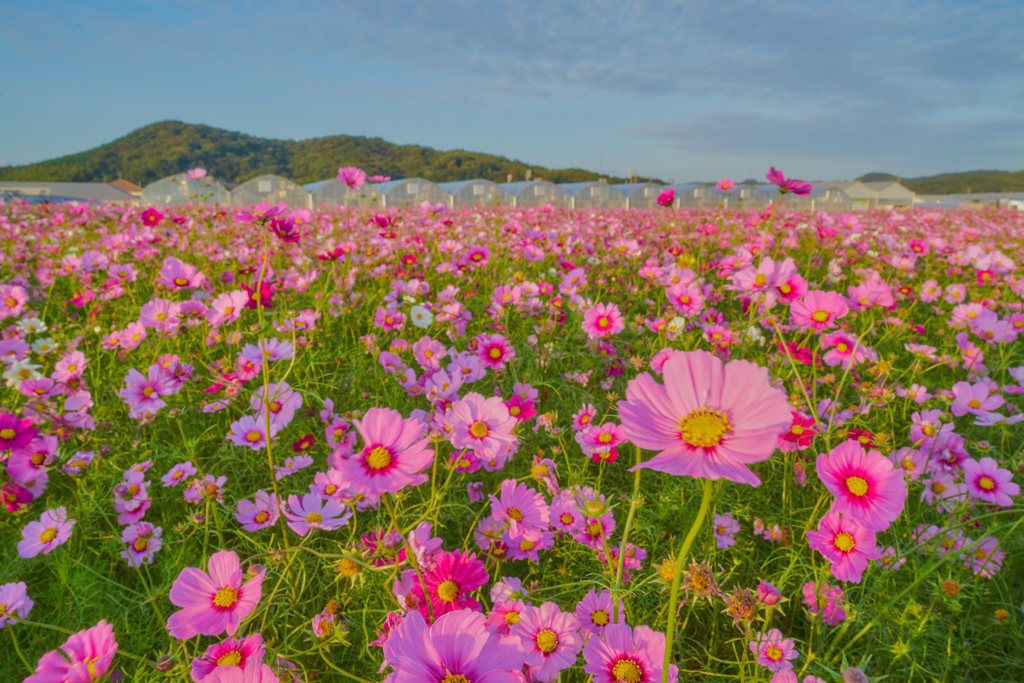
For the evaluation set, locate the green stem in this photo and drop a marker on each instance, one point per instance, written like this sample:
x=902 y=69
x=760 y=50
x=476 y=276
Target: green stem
x=705 y=503
x=625 y=536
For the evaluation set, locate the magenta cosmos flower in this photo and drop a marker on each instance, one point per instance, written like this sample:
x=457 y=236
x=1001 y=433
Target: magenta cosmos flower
x=86 y=656
x=457 y=648
x=667 y=198
x=393 y=455
x=52 y=530
x=865 y=484
x=16 y=432
x=986 y=481
x=594 y=612
x=602 y=320
x=451 y=583
x=550 y=639
x=519 y=507
x=213 y=603
x=819 y=310
x=785 y=185
x=844 y=542
x=625 y=654
x=229 y=653
x=708 y=420
x=483 y=425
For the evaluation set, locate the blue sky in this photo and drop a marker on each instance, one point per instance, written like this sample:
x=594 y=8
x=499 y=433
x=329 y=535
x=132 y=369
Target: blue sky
x=684 y=90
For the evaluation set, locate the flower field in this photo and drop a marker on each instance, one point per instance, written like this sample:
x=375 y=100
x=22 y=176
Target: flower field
x=494 y=445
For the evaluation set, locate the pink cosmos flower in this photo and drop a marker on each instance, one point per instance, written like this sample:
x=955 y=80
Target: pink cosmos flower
x=178 y=474
x=549 y=639
x=392 y=457
x=228 y=654
x=725 y=527
x=261 y=514
x=85 y=656
x=986 y=481
x=520 y=507
x=248 y=431
x=450 y=584
x=845 y=543
x=707 y=420
x=725 y=184
x=195 y=174
x=625 y=654
x=227 y=307
x=975 y=399
x=594 y=612
x=686 y=298
x=14 y=600
x=458 y=647
x=986 y=559
x=602 y=320
x=773 y=652
x=483 y=425
x=259 y=212
x=865 y=484
x=213 y=603
x=313 y=512
x=143 y=541
x=785 y=185
x=667 y=198
x=504 y=615
x=351 y=176
x=52 y=530
x=177 y=275
x=142 y=393
x=825 y=601
x=843 y=348
x=819 y=310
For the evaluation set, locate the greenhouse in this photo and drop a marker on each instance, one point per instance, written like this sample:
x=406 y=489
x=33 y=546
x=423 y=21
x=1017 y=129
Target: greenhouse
x=411 y=192
x=178 y=189
x=822 y=198
x=641 y=195
x=332 y=192
x=527 y=193
x=476 y=192
x=594 y=195
x=272 y=189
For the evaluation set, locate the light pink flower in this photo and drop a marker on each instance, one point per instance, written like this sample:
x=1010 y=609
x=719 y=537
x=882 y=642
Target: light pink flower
x=393 y=456
x=986 y=481
x=865 y=484
x=845 y=543
x=213 y=603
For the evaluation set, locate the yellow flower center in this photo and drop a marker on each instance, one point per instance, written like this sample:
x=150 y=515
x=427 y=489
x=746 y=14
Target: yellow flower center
x=511 y=618
x=605 y=437
x=939 y=487
x=980 y=554
x=627 y=670
x=261 y=516
x=233 y=658
x=797 y=430
x=786 y=289
x=48 y=535
x=455 y=678
x=842 y=347
x=180 y=281
x=704 y=427
x=161 y=316
x=72 y=367
x=314 y=517
x=148 y=391
x=759 y=280
x=857 y=486
x=494 y=353
x=844 y=542
x=253 y=436
x=7 y=434
x=479 y=430
x=773 y=653
x=547 y=641
x=11 y=302
x=599 y=617
x=526 y=545
x=514 y=411
x=330 y=489
x=379 y=458
x=974 y=403
x=819 y=316
x=38 y=459
x=226 y=597
x=448 y=591
x=566 y=518
x=140 y=544
x=515 y=513
x=986 y=483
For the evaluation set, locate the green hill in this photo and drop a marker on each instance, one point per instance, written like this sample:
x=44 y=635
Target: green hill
x=170 y=147
x=956 y=183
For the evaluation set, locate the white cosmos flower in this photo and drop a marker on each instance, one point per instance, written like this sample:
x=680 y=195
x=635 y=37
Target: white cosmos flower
x=45 y=345
x=19 y=371
x=32 y=326
x=421 y=317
